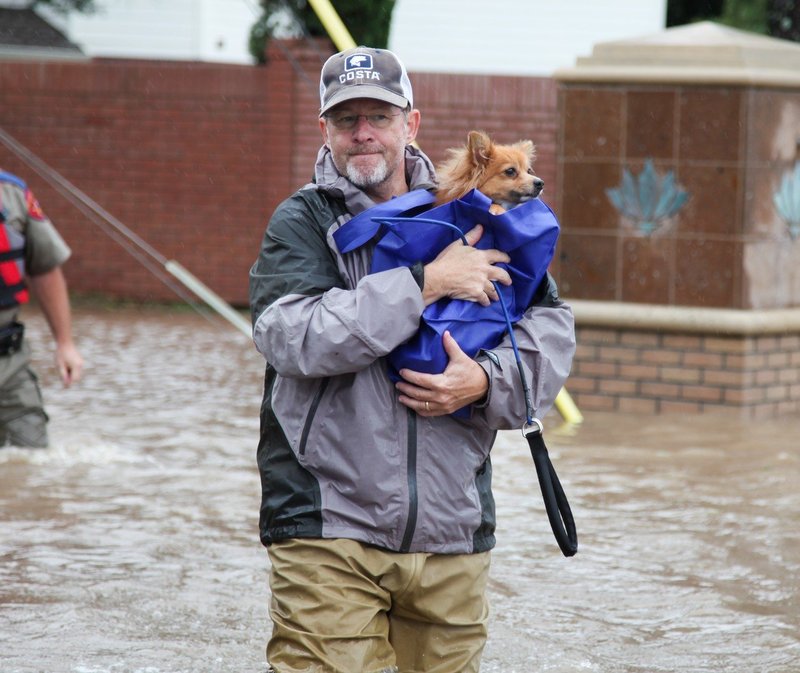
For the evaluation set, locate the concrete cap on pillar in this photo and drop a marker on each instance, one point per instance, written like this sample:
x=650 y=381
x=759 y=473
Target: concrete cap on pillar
x=699 y=53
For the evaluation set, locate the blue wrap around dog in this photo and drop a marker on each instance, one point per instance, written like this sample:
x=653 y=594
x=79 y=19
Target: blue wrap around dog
x=410 y=231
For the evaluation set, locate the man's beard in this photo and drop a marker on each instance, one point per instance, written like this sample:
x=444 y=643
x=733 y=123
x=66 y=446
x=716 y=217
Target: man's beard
x=364 y=176
x=368 y=177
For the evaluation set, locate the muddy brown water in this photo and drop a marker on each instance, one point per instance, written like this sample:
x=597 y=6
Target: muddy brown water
x=130 y=546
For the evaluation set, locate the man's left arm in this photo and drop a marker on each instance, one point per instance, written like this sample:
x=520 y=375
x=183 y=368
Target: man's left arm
x=545 y=339
x=50 y=289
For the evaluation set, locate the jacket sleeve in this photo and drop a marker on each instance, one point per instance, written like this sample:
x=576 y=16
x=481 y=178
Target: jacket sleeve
x=546 y=342
x=306 y=322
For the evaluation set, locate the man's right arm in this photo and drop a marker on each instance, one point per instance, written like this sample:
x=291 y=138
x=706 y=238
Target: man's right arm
x=306 y=323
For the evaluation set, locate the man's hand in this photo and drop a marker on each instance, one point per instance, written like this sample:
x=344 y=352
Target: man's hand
x=69 y=363
x=464 y=272
x=462 y=382
x=50 y=289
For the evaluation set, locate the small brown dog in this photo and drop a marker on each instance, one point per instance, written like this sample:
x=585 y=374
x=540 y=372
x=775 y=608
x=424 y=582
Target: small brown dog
x=501 y=172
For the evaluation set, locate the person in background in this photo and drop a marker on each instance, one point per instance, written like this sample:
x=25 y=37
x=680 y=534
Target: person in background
x=31 y=255
x=377 y=510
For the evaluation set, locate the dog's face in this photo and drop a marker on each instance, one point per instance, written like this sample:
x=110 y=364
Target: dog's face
x=507 y=176
x=501 y=172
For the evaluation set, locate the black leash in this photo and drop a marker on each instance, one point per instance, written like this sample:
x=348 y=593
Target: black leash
x=555 y=500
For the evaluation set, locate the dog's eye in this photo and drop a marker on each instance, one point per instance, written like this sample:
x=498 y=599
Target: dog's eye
x=511 y=172
x=530 y=171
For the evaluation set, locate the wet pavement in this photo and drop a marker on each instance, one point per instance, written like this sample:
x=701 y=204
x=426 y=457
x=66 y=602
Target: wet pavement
x=131 y=545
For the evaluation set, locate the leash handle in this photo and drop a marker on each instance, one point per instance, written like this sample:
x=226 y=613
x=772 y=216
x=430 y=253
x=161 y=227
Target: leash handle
x=555 y=500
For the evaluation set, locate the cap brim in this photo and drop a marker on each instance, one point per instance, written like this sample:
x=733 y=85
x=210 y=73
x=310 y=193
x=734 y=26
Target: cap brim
x=365 y=91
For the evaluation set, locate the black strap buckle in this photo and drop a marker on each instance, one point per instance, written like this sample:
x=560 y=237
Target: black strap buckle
x=11 y=338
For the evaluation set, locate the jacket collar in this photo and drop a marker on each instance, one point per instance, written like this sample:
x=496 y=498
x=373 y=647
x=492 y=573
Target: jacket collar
x=420 y=174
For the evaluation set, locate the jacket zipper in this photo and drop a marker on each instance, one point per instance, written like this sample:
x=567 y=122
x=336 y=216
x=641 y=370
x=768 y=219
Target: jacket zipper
x=311 y=413
x=411 y=476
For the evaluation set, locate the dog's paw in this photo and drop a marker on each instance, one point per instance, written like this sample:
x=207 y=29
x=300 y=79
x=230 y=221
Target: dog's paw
x=496 y=209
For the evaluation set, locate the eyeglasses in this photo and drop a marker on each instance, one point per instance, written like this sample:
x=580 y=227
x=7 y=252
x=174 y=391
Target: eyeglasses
x=348 y=122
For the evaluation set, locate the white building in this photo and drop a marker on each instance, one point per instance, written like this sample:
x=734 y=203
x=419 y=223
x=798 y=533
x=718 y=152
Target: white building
x=193 y=30
x=515 y=37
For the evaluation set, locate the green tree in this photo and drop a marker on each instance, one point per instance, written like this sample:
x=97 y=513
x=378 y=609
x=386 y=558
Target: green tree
x=680 y=12
x=778 y=18
x=746 y=15
x=367 y=20
x=783 y=19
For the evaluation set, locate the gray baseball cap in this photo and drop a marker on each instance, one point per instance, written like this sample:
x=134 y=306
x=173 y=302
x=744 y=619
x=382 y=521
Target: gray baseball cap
x=364 y=72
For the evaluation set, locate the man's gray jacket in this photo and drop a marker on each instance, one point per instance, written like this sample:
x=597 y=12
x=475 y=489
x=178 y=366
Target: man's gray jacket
x=339 y=456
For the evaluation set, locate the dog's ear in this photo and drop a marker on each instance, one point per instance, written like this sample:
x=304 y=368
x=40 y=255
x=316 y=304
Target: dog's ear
x=480 y=147
x=528 y=148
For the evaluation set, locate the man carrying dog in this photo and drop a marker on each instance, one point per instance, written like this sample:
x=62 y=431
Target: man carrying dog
x=377 y=509
x=31 y=254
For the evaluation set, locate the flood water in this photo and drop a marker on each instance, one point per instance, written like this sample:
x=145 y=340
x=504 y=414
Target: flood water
x=131 y=545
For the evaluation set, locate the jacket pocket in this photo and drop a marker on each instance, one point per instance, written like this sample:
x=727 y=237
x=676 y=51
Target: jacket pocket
x=312 y=411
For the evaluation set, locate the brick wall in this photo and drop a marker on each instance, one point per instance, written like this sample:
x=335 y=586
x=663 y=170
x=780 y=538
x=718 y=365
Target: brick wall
x=194 y=157
x=508 y=108
x=166 y=148
x=653 y=371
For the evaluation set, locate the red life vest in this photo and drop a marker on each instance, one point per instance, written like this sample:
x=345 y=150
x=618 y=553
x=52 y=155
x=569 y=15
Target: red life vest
x=13 y=291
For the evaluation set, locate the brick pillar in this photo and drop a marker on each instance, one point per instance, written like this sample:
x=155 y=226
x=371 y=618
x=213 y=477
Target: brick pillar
x=698 y=106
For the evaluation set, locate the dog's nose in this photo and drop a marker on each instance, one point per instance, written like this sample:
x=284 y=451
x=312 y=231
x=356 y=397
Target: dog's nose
x=538 y=186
